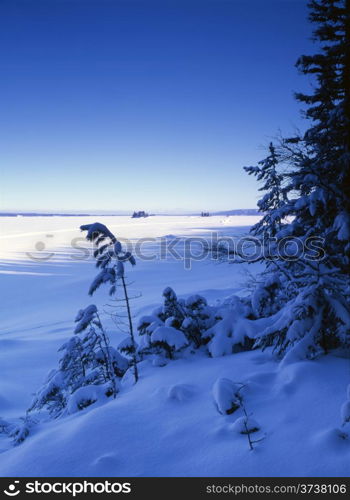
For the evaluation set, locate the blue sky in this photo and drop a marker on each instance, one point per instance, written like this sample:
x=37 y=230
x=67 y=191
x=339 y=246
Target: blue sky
x=122 y=105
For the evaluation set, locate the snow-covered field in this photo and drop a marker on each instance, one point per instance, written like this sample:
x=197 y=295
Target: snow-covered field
x=167 y=424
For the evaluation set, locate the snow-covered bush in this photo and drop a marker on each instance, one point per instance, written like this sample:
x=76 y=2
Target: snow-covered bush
x=127 y=347
x=147 y=324
x=176 y=325
x=86 y=396
x=218 y=329
x=229 y=334
x=167 y=340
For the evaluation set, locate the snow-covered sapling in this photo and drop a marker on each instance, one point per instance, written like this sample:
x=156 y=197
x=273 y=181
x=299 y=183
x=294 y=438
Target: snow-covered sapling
x=95 y=346
x=110 y=258
x=4 y=426
x=247 y=426
x=226 y=396
x=198 y=318
x=52 y=395
x=228 y=399
x=268 y=172
x=87 y=360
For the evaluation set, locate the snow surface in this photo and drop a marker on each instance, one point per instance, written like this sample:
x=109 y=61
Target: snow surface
x=167 y=424
x=152 y=430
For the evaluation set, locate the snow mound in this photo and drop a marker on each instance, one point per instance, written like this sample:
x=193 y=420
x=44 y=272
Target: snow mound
x=345 y=412
x=169 y=335
x=181 y=392
x=108 y=461
x=225 y=393
x=86 y=396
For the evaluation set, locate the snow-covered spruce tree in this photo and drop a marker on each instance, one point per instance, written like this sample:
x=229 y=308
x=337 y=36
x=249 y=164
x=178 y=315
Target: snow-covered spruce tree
x=192 y=316
x=199 y=317
x=269 y=294
x=322 y=174
x=275 y=198
x=304 y=230
x=173 y=308
x=110 y=259
x=161 y=335
x=87 y=360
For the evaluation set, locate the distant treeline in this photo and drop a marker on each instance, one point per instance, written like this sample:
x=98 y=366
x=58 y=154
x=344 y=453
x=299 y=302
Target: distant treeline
x=247 y=211
x=243 y=211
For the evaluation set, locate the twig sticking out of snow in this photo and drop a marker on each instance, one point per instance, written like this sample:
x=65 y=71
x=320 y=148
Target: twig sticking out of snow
x=228 y=398
x=250 y=426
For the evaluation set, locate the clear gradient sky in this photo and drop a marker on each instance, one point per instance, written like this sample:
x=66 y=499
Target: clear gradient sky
x=155 y=105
